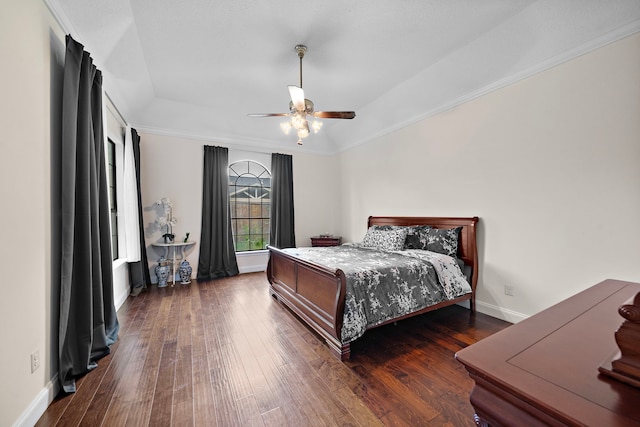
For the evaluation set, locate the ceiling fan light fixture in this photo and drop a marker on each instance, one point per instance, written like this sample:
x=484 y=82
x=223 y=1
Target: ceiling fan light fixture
x=302 y=110
x=298 y=121
x=303 y=133
x=286 y=127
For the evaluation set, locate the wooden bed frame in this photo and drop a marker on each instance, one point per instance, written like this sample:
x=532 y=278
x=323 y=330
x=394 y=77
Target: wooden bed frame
x=316 y=293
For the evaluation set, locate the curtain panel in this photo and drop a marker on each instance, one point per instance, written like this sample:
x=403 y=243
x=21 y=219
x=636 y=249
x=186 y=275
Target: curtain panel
x=139 y=270
x=217 y=253
x=282 y=216
x=88 y=324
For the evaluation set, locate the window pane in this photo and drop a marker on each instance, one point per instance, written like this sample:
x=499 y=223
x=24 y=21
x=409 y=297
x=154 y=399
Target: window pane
x=243 y=226
x=249 y=198
x=242 y=209
x=242 y=245
x=256 y=227
x=257 y=243
x=113 y=207
x=256 y=210
x=255 y=169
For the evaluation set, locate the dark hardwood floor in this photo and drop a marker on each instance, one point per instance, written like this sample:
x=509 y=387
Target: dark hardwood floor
x=225 y=353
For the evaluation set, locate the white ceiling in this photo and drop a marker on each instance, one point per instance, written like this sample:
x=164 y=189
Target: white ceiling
x=196 y=68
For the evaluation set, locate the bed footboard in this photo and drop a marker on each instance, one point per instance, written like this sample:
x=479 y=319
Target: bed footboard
x=313 y=292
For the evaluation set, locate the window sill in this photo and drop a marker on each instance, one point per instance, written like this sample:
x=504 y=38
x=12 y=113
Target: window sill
x=251 y=253
x=118 y=263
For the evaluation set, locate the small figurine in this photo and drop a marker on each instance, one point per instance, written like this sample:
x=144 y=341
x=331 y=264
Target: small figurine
x=186 y=238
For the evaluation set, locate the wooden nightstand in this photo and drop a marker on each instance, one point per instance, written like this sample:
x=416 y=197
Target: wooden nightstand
x=326 y=240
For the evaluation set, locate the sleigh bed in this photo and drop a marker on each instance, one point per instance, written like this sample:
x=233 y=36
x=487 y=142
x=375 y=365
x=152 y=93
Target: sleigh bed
x=319 y=291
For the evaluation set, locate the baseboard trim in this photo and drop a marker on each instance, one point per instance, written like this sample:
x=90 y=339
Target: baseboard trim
x=120 y=299
x=39 y=405
x=500 y=312
x=251 y=268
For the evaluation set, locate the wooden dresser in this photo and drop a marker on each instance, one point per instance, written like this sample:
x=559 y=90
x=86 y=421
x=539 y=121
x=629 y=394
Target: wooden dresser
x=543 y=371
x=326 y=241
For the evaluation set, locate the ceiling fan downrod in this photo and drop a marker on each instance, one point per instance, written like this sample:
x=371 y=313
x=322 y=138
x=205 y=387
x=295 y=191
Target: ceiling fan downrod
x=301 y=49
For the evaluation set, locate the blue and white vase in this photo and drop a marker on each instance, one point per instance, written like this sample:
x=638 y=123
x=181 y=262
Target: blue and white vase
x=185 y=272
x=162 y=272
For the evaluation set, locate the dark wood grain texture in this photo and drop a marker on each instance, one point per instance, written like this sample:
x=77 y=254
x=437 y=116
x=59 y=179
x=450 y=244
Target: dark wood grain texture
x=323 y=241
x=224 y=353
x=544 y=370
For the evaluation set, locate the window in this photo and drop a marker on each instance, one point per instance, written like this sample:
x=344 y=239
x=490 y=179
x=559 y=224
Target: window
x=113 y=200
x=250 y=202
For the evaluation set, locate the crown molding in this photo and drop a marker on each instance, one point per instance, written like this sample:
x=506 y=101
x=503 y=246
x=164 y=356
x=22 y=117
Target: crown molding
x=611 y=37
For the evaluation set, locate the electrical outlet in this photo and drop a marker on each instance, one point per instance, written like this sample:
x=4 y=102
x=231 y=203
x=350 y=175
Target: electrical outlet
x=509 y=290
x=35 y=361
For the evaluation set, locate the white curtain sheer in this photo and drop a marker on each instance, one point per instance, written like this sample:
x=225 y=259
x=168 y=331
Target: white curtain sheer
x=130 y=211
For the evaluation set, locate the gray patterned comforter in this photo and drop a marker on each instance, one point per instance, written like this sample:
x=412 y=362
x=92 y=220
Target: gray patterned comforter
x=384 y=285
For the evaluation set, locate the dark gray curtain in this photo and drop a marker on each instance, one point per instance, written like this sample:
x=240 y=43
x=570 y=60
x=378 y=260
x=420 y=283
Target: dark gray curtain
x=88 y=324
x=217 y=254
x=139 y=271
x=282 y=223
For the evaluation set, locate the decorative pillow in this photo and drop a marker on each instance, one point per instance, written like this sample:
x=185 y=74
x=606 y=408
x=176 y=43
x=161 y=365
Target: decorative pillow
x=443 y=240
x=416 y=237
x=385 y=239
x=387 y=227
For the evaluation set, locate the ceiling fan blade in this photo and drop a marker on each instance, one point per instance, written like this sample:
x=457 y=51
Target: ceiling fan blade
x=269 y=115
x=297 y=97
x=334 y=114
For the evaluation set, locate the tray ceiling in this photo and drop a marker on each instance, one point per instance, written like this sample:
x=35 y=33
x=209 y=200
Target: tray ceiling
x=196 y=68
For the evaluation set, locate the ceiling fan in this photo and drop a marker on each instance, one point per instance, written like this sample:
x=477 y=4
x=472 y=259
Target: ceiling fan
x=302 y=110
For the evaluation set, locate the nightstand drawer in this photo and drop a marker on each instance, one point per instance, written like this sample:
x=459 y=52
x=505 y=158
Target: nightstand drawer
x=326 y=241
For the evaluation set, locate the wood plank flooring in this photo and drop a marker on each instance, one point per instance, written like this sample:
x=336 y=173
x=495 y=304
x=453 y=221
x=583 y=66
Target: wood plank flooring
x=225 y=353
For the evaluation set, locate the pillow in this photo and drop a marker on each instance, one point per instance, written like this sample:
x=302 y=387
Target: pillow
x=385 y=239
x=443 y=240
x=416 y=238
x=387 y=227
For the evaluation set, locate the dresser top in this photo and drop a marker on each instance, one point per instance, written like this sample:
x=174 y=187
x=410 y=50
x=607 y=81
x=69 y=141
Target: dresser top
x=551 y=360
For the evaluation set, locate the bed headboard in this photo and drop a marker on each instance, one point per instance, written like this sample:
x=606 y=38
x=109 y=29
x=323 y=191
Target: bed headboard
x=467 y=248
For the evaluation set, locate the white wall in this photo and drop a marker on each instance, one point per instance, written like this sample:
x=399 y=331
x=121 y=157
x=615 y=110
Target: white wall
x=172 y=167
x=26 y=32
x=551 y=165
